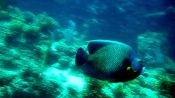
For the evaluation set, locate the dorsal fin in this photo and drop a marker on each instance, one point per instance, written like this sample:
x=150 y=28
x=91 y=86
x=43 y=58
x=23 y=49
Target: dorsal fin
x=95 y=45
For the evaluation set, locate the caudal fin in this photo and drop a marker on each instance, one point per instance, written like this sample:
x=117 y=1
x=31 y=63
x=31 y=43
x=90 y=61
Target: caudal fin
x=81 y=57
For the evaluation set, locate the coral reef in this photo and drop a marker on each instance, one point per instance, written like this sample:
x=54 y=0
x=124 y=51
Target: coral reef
x=6 y=77
x=37 y=61
x=27 y=48
x=31 y=84
x=150 y=48
x=168 y=87
x=21 y=36
x=153 y=50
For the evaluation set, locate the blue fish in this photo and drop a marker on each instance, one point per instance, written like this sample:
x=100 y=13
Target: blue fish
x=109 y=60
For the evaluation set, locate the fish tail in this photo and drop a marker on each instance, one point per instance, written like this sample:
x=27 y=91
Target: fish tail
x=81 y=57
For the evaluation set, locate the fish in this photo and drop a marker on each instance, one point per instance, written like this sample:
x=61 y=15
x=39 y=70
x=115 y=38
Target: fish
x=108 y=60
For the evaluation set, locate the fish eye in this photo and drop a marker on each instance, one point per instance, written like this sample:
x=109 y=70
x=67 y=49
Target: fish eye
x=129 y=68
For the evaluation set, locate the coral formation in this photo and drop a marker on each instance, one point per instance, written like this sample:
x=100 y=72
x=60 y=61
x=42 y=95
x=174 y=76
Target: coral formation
x=27 y=50
x=6 y=77
x=150 y=48
x=168 y=87
x=153 y=48
x=31 y=84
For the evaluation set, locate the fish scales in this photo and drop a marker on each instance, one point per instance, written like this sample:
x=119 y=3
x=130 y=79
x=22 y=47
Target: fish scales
x=110 y=58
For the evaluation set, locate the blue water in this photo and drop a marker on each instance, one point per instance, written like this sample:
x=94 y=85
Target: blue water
x=118 y=19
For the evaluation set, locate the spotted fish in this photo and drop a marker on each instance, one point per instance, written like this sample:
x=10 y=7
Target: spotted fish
x=109 y=60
